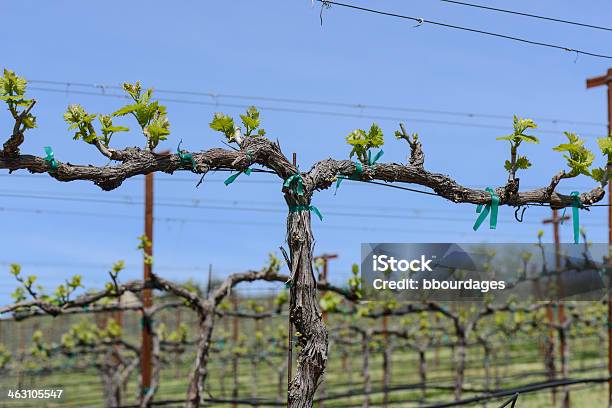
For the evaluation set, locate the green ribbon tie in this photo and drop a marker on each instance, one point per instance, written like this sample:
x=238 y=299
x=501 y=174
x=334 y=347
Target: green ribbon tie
x=50 y=157
x=146 y=322
x=372 y=161
x=233 y=177
x=247 y=171
x=492 y=208
x=575 y=215
x=312 y=208
x=186 y=158
x=355 y=176
x=297 y=177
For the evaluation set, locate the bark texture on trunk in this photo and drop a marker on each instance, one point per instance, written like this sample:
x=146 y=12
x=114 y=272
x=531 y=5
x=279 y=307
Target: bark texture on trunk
x=387 y=353
x=147 y=398
x=304 y=309
x=460 y=355
x=200 y=371
x=423 y=373
x=110 y=396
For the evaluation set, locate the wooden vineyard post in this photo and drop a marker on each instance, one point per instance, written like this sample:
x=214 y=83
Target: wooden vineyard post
x=118 y=318
x=20 y=328
x=591 y=83
x=209 y=283
x=147 y=295
x=177 y=357
x=323 y=278
x=235 y=334
x=386 y=362
x=555 y=221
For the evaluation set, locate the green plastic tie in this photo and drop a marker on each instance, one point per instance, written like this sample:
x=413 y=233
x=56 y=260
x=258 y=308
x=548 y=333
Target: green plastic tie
x=372 y=161
x=299 y=208
x=146 y=322
x=492 y=208
x=50 y=157
x=247 y=171
x=186 y=158
x=233 y=177
x=297 y=177
x=355 y=176
x=576 y=216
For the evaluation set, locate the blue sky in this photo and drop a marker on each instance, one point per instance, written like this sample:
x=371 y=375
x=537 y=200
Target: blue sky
x=279 y=49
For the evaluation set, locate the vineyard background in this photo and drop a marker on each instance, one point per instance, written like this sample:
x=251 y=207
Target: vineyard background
x=508 y=352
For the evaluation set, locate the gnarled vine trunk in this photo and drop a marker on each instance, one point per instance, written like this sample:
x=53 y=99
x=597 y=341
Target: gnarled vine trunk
x=304 y=310
x=423 y=372
x=460 y=355
x=198 y=375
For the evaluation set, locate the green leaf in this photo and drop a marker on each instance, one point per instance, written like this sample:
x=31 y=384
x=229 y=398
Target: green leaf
x=17 y=99
x=579 y=158
x=134 y=90
x=224 y=124
x=508 y=165
x=18 y=295
x=29 y=122
x=157 y=130
x=15 y=269
x=566 y=147
x=127 y=109
x=530 y=139
x=375 y=136
x=12 y=84
x=120 y=265
x=329 y=302
x=523 y=163
x=75 y=282
x=151 y=116
x=507 y=137
x=117 y=129
x=79 y=119
x=362 y=141
x=108 y=129
x=605 y=145
x=598 y=174
x=250 y=120
x=357 y=138
x=521 y=125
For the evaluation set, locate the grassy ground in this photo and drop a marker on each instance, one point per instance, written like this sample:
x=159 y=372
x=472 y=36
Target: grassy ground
x=83 y=389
